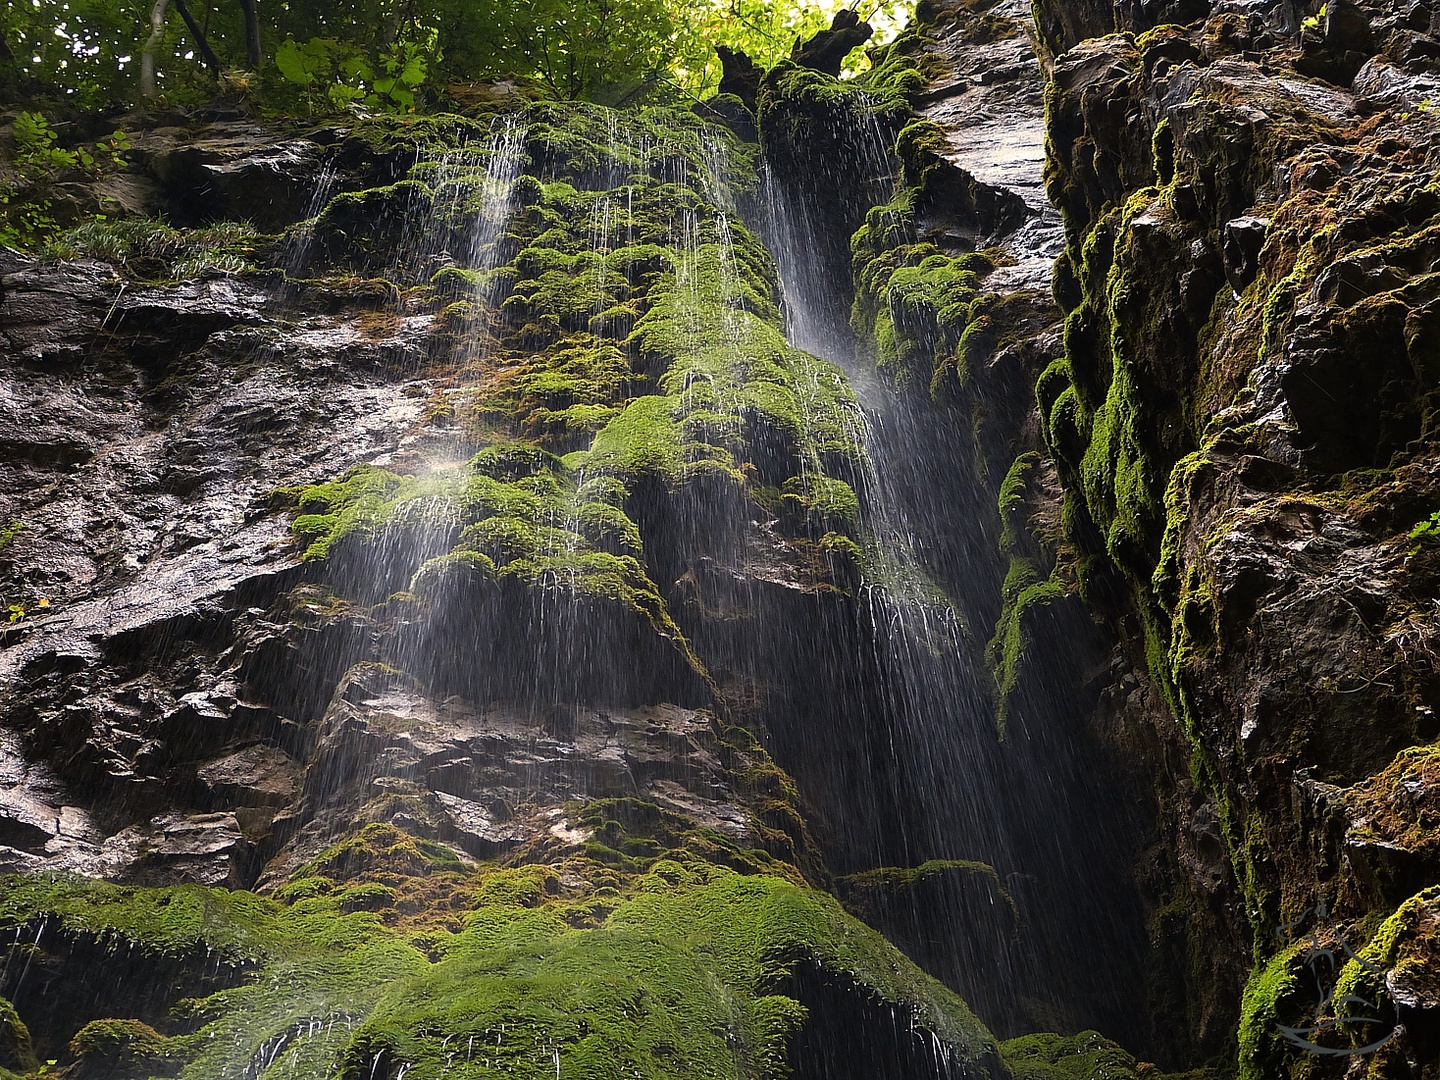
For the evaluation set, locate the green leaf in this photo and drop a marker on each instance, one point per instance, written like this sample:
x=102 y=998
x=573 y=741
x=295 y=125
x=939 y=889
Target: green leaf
x=341 y=95
x=413 y=74
x=356 y=67
x=294 y=64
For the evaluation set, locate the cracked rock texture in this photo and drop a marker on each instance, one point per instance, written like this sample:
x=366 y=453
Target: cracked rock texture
x=1243 y=421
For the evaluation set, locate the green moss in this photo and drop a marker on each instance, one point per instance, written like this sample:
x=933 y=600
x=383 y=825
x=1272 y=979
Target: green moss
x=917 y=303
x=305 y=888
x=683 y=973
x=374 y=848
x=513 y=514
x=673 y=983
x=1023 y=595
x=1012 y=499
x=1086 y=1056
x=645 y=441
x=626 y=319
x=115 y=1045
x=153 y=250
x=359 y=502
x=1267 y=1004
x=931 y=324
x=1404 y=948
x=17 y=1053
x=886 y=92
x=862 y=890
x=1026 y=590
x=821 y=504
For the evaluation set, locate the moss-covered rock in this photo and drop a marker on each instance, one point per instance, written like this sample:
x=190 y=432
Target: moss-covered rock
x=1209 y=423
x=106 y=1049
x=1086 y=1056
x=17 y=1053
x=687 y=972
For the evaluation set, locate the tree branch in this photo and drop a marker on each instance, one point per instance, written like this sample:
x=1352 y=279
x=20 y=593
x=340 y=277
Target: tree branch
x=207 y=54
x=252 y=33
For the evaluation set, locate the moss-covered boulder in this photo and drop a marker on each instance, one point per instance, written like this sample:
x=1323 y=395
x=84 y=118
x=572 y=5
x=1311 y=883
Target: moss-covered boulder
x=16 y=1051
x=686 y=970
x=116 y=1049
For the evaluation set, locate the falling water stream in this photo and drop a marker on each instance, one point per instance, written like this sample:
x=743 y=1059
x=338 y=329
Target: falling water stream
x=880 y=704
x=1037 y=805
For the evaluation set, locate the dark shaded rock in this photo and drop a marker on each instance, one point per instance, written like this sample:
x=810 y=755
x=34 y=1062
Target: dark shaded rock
x=1244 y=237
x=48 y=315
x=1345 y=25
x=854 y=1037
x=739 y=77
x=1338 y=49
x=826 y=51
x=208 y=849
x=1388 y=85
x=483 y=777
x=954 y=914
x=733 y=113
x=1346 y=282
x=131 y=982
x=233 y=171
x=259 y=775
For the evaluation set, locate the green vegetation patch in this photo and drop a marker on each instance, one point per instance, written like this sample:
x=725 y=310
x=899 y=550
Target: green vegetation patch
x=686 y=974
x=617 y=313
x=156 y=251
x=1086 y=1056
x=513 y=512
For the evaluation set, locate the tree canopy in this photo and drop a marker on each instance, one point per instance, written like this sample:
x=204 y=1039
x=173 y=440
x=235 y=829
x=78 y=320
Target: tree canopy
x=394 y=54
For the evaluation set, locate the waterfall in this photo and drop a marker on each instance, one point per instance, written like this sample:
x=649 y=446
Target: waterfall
x=940 y=775
x=636 y=555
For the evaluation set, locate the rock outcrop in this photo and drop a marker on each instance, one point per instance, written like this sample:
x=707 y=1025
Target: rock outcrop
x=451 y=622
x=390 y=593
x=1241 y=420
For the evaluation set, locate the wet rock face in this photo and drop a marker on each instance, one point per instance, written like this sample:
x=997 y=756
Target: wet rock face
x=365 y=626
x=149 y=427
x=489 y=781
x=172 y=659
x=1243 y=420
x=228 y=175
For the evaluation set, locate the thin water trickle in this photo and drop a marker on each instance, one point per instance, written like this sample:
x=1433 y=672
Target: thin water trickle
x=302 y=240
x=919 y=645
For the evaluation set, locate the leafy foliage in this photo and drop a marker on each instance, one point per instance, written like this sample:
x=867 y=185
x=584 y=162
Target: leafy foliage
x=386 y=55
x=1428 y=531
x=26 y=210
x=599 y=49
x=344 y=74
x=154 y=250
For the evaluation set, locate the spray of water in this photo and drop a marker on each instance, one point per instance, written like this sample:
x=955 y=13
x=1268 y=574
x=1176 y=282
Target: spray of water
x=940 y=780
